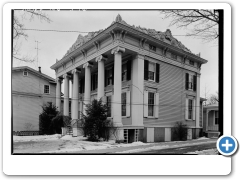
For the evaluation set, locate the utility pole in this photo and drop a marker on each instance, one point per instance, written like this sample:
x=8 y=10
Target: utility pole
x=37 y=50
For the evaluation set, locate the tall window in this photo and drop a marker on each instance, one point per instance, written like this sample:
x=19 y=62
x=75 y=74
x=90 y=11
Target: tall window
x=190 y=84
x=216 y=117
x=124 y=72
x=124 y=102
x=46 y=89
x=109 y=106
x=190 y=108
x=150 y=103
x=109 y=76
x=151 y=71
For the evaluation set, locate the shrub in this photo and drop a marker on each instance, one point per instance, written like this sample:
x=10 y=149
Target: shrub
x=49 y=111
x=180 y=131
x=58 y=122
x=95 y=123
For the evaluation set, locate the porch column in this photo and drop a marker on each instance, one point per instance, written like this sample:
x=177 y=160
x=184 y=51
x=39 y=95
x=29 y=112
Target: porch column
x=101 y=76
x=87 y=92
x=75 y=94
x=58 y=94
x=66 y=95
x=207 y=120
x=117 y=92
x=197 y=104
x=137 y=90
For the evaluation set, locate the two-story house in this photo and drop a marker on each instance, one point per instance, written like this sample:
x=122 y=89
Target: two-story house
x=31 y=89
x=148 y=79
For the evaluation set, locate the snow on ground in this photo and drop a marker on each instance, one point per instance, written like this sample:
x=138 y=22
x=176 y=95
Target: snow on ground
x=80 y=143
x=36 y=138
x=205 y=152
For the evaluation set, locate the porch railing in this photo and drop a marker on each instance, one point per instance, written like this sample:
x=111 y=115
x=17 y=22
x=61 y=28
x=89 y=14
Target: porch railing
x=212 y=128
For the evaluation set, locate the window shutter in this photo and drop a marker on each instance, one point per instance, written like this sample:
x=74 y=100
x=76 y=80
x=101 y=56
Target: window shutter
x=113 y=75
x=194 y=109
x=129 y=70
x=146 y=63
x=106 y=75
x=186 y=109
x=156 y=105
x=157 y=72
x=128 y=103
x=91 y=82
x=194 y=83
x=145 y=108
x=187 y=81
x=112 y=100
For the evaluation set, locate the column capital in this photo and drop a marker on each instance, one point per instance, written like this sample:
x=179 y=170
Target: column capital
x=87 y=64
x=59 y=79
x=118 y=50
x=66 y=76
x=76 y=71
x=140 y=56
x=101 y=58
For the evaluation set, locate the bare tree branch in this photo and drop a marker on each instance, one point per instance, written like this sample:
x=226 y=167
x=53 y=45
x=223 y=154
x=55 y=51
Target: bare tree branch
x=203 y=22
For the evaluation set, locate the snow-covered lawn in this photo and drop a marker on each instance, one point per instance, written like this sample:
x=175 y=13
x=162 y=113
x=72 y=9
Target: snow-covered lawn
x=205 y=152
x=58 y=144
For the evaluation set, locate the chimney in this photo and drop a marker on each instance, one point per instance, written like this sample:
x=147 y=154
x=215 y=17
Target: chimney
x=39 y=69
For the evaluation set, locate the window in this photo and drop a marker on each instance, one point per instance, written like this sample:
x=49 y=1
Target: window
x=216 y=117
x=150 y=104
x=94 y=82
x=191 y=82
x=151 y=71
x=25 y=73
x=109 y=76
x=191 y=63
x=109 y=106
x=151 y=47
x=190 y=108
x=46 y=89
x=124 y=72
x=173 y=56
x=124 y=102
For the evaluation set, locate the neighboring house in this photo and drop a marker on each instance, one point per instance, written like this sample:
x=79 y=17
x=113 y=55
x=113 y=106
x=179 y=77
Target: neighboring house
x=211 y=120
x=148 y=79
x=30 y=90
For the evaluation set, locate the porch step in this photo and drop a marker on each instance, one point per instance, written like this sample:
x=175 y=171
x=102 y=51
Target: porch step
x=69 y=130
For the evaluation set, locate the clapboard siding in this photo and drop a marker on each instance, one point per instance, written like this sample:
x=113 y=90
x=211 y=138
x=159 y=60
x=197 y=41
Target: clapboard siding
x=28 y=97
x=172 y=96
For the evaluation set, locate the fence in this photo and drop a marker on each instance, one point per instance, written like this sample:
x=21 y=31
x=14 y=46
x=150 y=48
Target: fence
x=26 y=133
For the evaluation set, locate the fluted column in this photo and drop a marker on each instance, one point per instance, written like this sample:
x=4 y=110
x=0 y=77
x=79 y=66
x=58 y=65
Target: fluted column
x=75 y=94
x=58 y=94
x=101 y=76
x=87 y=93
x=66 y=95
x=117 y=94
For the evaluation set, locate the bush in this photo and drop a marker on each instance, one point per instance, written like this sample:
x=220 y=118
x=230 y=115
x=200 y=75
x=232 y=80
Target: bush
x=95 y=123
x=45 y=118
x=58 y=122
x=180 y=132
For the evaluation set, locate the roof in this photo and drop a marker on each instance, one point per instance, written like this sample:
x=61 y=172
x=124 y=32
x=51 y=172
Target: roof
x=50 y=79
x=162 y=36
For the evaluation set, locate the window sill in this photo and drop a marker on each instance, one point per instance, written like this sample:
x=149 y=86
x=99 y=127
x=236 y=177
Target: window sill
x=189 y=120
x=126 y=116
x=47 y=93
x=151 y=117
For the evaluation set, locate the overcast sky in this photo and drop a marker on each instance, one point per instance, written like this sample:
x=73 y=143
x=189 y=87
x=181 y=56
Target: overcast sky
x=53 y=45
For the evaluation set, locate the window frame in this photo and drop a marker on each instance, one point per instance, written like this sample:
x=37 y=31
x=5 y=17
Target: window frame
x=107 y=77
x=124 y=64
x=124 y=104
x=152 y=48
x=190 y=82
x=109 y=106
x=154 y=73
x=151 y=105
x=191 y=63
x=190 y=110
x=24 y=72
x=216 y=118
x=45 y=85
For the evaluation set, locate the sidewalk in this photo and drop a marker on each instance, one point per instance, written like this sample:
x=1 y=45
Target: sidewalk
x=160 y=145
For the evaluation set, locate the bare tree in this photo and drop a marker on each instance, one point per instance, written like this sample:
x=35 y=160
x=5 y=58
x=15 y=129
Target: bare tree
x=19 y=31
x=213 y=99
x=28 y=126
x=204 y=23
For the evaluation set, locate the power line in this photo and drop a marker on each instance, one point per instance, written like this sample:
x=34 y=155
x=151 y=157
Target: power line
x=73 y=31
